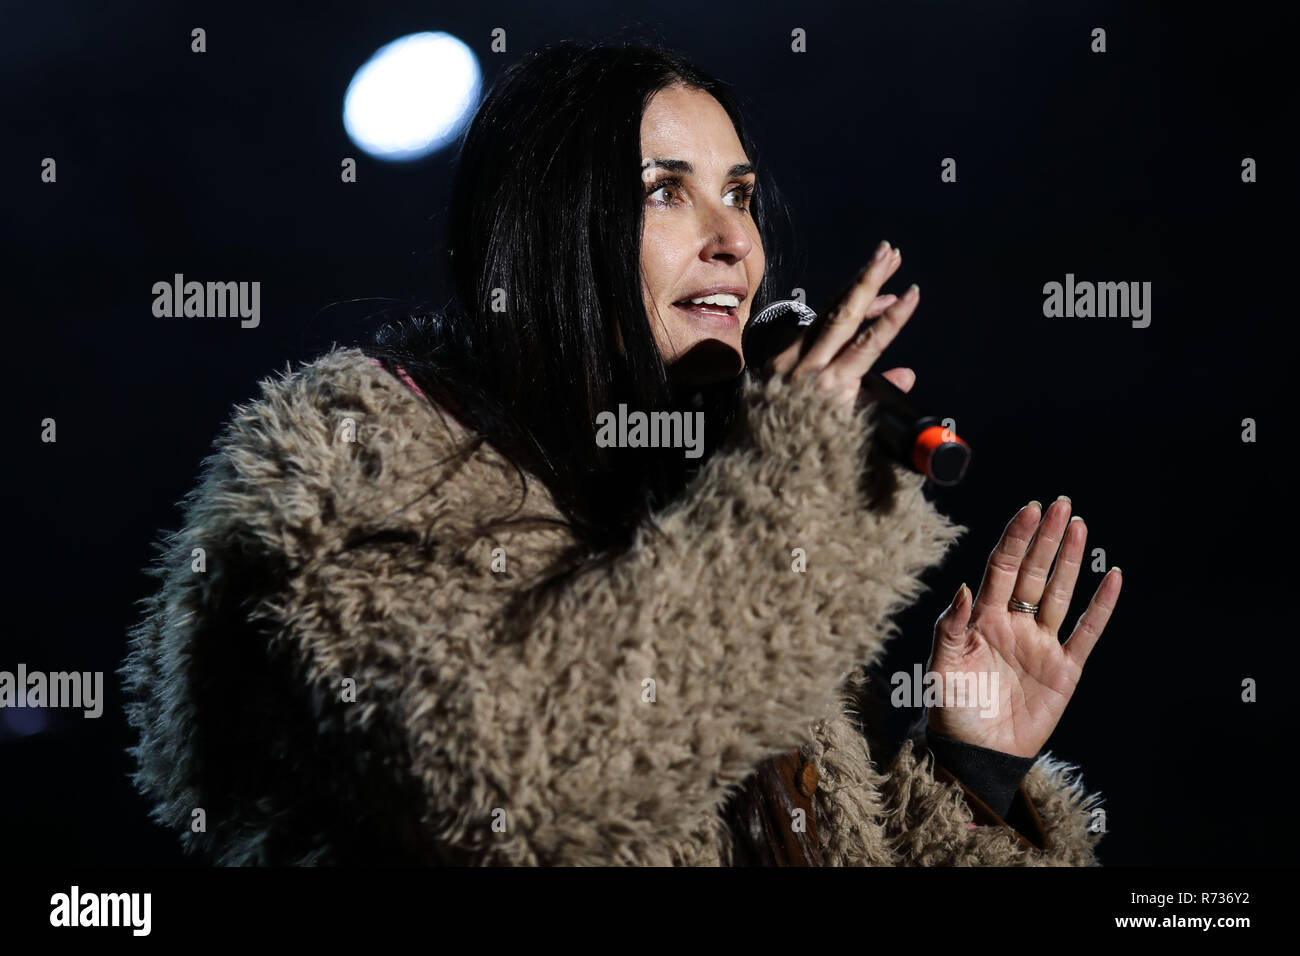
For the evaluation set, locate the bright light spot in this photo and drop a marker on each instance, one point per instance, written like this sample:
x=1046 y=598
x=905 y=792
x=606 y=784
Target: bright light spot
x=412 y=97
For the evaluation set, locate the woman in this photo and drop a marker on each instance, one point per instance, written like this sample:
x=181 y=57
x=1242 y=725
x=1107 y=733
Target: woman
x=419 y=613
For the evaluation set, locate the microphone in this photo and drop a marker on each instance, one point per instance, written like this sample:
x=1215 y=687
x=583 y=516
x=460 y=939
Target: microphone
x=914 y=439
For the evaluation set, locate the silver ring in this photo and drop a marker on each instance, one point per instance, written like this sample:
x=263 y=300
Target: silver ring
x=1016 y=605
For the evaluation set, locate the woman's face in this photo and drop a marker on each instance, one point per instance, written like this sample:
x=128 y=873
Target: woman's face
x=699 y=236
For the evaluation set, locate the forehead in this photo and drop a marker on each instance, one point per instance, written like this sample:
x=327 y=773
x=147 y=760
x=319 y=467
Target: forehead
x=689 y=124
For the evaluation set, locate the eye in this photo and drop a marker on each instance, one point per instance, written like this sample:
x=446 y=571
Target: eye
x=670 y=184
x=672 y=190
x=746 y=191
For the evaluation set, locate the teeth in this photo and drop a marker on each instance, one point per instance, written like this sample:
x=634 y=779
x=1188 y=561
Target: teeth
x=719 y=299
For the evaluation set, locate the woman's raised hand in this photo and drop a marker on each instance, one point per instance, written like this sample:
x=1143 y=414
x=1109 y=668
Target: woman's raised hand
x=841 y=356
x=1016 y=656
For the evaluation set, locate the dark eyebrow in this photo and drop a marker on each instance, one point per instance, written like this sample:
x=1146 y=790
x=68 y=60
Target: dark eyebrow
x=684 y=166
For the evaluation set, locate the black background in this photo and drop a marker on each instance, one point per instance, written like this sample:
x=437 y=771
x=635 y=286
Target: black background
x=1122 y=166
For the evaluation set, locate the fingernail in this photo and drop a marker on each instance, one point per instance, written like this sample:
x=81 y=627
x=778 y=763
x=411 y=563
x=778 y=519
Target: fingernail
x=1037 y=504
x=1075 y=518
x=898 y=252
x=961 y=593
x=1064 y=498
x=881 y=250
x=1117 y=568
x=913 y=289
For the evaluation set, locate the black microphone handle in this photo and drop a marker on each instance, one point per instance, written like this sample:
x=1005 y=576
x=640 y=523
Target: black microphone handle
x=895 y=415
x=919 y=441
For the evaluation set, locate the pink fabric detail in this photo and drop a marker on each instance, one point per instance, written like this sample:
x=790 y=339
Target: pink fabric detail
x=401 y=373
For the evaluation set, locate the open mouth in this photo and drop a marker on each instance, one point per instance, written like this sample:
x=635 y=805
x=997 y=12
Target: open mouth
x=713 y=308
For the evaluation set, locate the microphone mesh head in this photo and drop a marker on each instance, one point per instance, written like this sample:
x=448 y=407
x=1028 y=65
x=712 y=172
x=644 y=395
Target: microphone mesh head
x=772 y=329
x=779 y=310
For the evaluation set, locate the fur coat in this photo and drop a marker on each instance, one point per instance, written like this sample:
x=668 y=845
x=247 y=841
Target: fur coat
x=337 y=665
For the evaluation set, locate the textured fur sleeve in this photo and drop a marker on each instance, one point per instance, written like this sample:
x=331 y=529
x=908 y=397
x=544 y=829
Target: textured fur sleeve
x=929 y=821
x=906 y=816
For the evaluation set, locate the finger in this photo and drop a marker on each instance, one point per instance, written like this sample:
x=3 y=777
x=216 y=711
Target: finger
x=1093 y=621
x=861 y=353
x=903 y=378
x=1004 y=563
x=1032 y=581
x=788 y=358
x=950 y=628
x=880 y=304
x=1060 y=586
x=843 y=320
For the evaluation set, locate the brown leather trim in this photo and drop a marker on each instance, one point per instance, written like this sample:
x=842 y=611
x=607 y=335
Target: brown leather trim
x=761 y=815
x=1022 y=811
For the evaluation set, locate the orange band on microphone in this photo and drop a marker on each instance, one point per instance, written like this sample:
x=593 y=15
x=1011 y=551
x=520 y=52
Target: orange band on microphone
x=927 y=443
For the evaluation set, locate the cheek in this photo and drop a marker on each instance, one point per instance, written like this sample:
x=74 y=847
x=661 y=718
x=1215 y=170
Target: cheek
x=657 y=260
x=660 y=274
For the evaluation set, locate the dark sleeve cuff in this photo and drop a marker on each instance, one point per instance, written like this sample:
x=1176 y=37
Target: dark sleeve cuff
x=991 y=775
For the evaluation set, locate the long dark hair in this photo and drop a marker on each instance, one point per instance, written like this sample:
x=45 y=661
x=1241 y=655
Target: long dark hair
x=543 y=235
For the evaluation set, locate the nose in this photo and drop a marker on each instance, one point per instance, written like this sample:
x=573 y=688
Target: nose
x=727 y=237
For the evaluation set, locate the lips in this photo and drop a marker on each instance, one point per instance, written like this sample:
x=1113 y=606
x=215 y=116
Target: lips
x=713 y=312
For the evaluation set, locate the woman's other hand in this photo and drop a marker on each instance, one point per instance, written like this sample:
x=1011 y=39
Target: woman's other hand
x=1035 y=674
